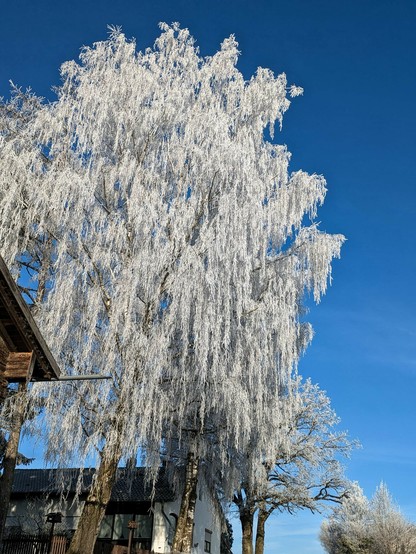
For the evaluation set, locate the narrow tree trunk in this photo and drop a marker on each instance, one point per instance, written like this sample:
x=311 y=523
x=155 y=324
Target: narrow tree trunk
x=10 y=456
x=182 y=541
x=263 y=515
x=190 y=518
x=246 y=510
x=83 y=541
x=246 y=519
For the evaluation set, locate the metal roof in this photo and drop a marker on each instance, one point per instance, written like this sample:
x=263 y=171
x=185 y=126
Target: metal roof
x=130 y=485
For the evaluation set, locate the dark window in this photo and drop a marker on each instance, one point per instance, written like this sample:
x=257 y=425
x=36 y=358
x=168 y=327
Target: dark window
x=208 y=537
x=115 y=530
x=172 y=520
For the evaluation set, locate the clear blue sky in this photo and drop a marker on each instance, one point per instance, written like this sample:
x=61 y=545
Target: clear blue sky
x=356 y=125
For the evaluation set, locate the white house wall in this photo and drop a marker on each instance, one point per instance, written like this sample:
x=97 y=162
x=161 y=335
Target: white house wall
x=30 y=514
x=161 y=525
x=206 y=518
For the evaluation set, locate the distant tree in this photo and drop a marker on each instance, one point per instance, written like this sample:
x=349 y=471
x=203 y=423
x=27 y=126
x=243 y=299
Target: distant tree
x=305 y=471
x=358 y=526
x=390 y=532
x=174 y=249
x=346 y=531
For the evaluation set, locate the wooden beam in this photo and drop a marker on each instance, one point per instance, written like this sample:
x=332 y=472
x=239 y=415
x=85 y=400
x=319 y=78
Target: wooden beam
x=19 y=366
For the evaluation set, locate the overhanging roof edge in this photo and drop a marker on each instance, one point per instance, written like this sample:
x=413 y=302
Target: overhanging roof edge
x=35 y=339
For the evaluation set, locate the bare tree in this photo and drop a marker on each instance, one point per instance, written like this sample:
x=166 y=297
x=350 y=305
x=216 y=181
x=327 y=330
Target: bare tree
x=305 y=472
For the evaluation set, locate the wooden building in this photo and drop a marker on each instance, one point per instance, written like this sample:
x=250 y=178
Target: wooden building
x=24 y=354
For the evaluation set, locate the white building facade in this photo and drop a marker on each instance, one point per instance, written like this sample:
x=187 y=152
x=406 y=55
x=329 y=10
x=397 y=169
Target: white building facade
x=38 y=492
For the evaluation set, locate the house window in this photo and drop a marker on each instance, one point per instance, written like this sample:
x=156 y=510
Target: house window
x=106 y=529
x=208 y=537
x=114 y=528
x=172 y=521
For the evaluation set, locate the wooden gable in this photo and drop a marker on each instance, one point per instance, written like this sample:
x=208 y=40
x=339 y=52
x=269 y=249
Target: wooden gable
x=24 y=354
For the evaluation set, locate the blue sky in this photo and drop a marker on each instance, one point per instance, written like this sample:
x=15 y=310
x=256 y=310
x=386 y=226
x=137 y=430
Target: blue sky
x=356 y=125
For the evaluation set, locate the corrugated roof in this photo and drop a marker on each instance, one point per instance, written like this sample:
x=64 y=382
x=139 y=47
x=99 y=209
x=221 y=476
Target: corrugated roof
x=130 y=485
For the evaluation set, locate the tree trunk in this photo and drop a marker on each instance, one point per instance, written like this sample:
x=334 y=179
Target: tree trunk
x=182 y=541
x=263 y=516
x=246 y=519
x=10 y=456
x=246 y=510
x=190 y=518
x=83 y=541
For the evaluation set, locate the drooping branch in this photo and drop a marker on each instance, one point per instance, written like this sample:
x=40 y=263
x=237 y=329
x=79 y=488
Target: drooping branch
x=150 y=205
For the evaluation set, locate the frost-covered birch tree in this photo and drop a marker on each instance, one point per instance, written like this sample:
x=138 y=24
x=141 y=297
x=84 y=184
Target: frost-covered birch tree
x=174 y=248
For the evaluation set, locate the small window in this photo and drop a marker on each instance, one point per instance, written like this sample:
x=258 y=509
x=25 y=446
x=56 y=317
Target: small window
x=208 y=537
x=120 y=526
x=106 y=529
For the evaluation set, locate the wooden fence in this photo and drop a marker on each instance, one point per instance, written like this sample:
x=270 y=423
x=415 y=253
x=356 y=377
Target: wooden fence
x=34 y=544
